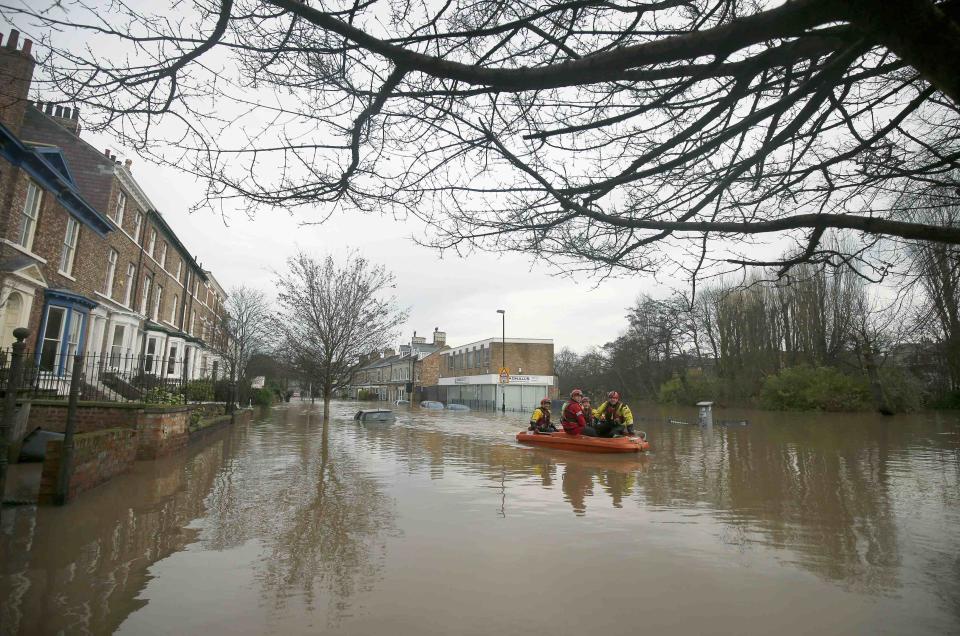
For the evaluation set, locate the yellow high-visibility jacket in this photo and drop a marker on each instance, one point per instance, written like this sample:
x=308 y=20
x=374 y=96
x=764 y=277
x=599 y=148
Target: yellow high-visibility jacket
x=539 y=414
x=622 y=413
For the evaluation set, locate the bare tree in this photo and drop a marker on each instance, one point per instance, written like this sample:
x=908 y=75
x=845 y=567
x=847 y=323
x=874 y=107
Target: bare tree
x=936 y=268
x=245 y=330
x=657 y=131
x=331 y=314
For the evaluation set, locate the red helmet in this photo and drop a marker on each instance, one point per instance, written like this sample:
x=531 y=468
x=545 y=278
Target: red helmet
x=613 y=395
x=545 y=401
x=576 y=393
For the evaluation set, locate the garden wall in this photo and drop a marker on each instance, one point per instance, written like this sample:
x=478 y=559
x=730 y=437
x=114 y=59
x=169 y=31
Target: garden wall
x=161 y=429
x=97 y=457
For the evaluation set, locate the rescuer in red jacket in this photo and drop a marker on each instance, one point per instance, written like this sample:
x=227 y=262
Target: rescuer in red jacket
x=572 y=419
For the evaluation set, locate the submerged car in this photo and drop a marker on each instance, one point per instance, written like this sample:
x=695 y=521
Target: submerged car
x=402 y=402
x=374 y=415
x=430 y=404
x=457 y=407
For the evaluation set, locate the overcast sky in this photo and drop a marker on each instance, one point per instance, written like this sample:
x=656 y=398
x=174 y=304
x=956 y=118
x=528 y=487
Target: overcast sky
x=458 y=295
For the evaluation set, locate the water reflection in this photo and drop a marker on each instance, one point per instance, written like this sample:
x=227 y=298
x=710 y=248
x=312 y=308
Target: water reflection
x=310 y=516
x=65 y=572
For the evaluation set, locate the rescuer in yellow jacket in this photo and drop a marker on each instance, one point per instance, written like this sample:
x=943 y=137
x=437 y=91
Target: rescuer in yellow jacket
x=540 y=419
x=613 y=417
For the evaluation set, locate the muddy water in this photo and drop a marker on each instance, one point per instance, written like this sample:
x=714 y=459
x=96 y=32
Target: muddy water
x=441 y=523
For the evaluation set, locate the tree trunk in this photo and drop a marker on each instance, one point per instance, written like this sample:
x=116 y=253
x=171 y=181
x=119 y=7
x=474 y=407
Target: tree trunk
x=876 y=386
x=326 y=403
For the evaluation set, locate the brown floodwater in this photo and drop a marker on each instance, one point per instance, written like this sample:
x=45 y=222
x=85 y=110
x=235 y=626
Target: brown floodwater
x=441 y=523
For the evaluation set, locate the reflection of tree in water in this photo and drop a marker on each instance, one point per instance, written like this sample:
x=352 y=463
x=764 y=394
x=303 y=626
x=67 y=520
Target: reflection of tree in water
x=322 y=521
x=81 y=568
x=823 y=494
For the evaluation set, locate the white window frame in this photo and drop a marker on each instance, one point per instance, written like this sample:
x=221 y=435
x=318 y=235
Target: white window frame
x=156 y=303
x=116 y=350
x=69 y=250
x=112 y=257
x=138 y=224
x=58 y=339
x=150 y=354
x=118 y=209
x=193 y=320
x=179 y=268
x=145 y=296
x=173 y=310
x=163 y=255
x=30 y=214
x=172 y=359
x=131 y=279
x=153 y=241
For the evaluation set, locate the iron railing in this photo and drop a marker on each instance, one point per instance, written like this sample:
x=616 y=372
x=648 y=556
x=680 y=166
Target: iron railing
x=115 y=377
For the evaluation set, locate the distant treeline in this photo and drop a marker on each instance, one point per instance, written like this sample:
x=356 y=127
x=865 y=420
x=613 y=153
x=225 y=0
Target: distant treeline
x=821 y=337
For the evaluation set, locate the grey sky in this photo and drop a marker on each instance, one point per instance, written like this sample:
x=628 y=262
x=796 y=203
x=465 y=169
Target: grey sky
x=460 y=296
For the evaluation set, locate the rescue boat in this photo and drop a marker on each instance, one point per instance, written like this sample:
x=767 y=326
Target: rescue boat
x=583 y=443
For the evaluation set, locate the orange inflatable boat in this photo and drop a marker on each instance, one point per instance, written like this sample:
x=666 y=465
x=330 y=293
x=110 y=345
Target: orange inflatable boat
x=582 y=443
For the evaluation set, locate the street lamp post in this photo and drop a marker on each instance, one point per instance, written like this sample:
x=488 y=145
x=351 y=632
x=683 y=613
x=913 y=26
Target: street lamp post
x=503 y=356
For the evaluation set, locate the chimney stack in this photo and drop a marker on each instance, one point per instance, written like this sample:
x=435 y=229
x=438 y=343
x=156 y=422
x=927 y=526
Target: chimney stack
x=439 y=337
x=16 y=68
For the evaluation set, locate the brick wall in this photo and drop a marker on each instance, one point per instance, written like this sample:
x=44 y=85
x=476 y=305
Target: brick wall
x=532 y=358
x=97 y=457
x=428 y=370
x=90 y=417
x=162 y=431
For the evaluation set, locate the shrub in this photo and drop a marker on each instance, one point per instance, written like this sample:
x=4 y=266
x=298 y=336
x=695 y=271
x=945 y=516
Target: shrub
x=904 y=391
x=806 y=388
x=160 y=395
x=200 y=391
x=262 y=397
x=948 y=400
x=365 y=395
x=697 y=389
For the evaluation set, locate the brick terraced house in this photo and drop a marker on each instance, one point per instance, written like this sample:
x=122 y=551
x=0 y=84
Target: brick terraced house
x=399 y=376
x=87 y=263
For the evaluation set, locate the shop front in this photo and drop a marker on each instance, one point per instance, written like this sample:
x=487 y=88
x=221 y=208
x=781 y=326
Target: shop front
x=485 y=392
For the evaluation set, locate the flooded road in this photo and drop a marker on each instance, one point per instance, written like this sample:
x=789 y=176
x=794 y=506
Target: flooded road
x=441 y=524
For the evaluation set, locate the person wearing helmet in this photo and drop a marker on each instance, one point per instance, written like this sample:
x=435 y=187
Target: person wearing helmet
x=588 y=414
x=572 y=419
x=540 y=420
x=614 y=417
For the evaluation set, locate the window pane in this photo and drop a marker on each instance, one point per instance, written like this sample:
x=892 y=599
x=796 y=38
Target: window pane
x=28 y=217
x=51 y=338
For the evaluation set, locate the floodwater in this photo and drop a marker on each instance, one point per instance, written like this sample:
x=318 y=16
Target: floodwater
x=441 y=524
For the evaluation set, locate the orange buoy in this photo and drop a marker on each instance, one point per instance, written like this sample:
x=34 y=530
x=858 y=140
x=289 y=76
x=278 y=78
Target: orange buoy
x=583 y=443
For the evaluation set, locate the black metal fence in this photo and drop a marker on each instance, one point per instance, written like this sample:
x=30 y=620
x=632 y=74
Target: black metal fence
x=115 y=377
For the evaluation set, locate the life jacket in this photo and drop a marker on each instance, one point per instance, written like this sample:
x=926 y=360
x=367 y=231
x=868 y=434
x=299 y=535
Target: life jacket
x=588 y=415
x=544 y=417
x=567 y=416
x=612 y=412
